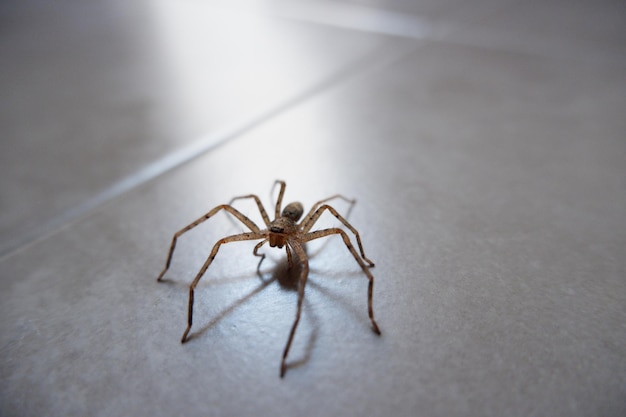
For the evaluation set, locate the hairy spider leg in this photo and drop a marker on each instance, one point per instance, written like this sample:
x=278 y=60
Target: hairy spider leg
x=307 y=218
x=318 y=213
x=216 y=247
x=289 y=257
x=251 y=225
x=266 y=218
x=304 y=274
x=346 y=239
x=281 y=193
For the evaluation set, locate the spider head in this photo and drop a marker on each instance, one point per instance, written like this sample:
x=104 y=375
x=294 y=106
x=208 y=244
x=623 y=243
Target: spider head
x=279 y=229
x=293 y=211
x=285 y=226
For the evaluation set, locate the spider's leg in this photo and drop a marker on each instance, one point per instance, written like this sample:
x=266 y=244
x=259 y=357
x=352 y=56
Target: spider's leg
x=289 y=257
x=255 y=252
x=318 y=213
x=304 y=273
x=266 y=218
x=279 y=201
x=251 y=225
x=307 y=218
x=370 y=289
x=216 y=247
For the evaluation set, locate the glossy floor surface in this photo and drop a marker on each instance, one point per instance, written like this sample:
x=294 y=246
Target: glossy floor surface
x=484 y=143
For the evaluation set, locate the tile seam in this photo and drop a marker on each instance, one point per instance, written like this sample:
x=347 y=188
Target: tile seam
x=178 y=158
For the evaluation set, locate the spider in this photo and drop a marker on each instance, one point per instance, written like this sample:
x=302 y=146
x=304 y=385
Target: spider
x=283 y=231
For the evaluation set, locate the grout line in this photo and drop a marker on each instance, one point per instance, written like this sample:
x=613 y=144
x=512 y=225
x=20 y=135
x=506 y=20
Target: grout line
x=360 y=66
x=336 y=14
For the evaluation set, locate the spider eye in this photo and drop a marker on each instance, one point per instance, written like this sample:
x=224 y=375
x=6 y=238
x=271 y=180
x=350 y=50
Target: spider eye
x=293 y=211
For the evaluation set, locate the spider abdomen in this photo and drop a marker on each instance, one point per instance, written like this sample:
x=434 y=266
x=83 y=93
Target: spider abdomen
x=293 y=211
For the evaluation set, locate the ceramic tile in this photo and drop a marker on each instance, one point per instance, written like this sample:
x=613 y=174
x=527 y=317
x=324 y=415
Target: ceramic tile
x=439 y=11
x=98 y=93
x=406 y=19
x=600 y=23
x=490 y=191
x=572 y=30
x=576 y=31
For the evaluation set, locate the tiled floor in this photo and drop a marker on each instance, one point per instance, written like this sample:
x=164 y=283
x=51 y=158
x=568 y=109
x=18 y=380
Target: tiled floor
x=485 y=145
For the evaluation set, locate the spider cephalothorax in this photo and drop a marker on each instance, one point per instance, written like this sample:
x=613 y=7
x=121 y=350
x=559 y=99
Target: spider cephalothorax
x=283 y=231
x=284 y=226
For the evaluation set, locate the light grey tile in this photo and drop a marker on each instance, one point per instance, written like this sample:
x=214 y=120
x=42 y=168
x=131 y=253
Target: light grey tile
x=447 y=10
x=490 y=191
x=98 y=93
x=592 y=32
x=408 y=19
x=576 y=31
x=600 y=23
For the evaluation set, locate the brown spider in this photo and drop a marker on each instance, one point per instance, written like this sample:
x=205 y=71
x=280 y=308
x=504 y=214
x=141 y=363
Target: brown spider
x=283 y=231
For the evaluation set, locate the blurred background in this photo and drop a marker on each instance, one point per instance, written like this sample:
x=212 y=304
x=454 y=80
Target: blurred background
x=484 y=141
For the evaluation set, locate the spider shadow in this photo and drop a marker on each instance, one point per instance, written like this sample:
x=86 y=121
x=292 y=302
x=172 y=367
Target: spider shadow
x=288 y=278
x=359 y=315
x=210 y=281
x=310 y=344
x=225 y=312
x=276 y=270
